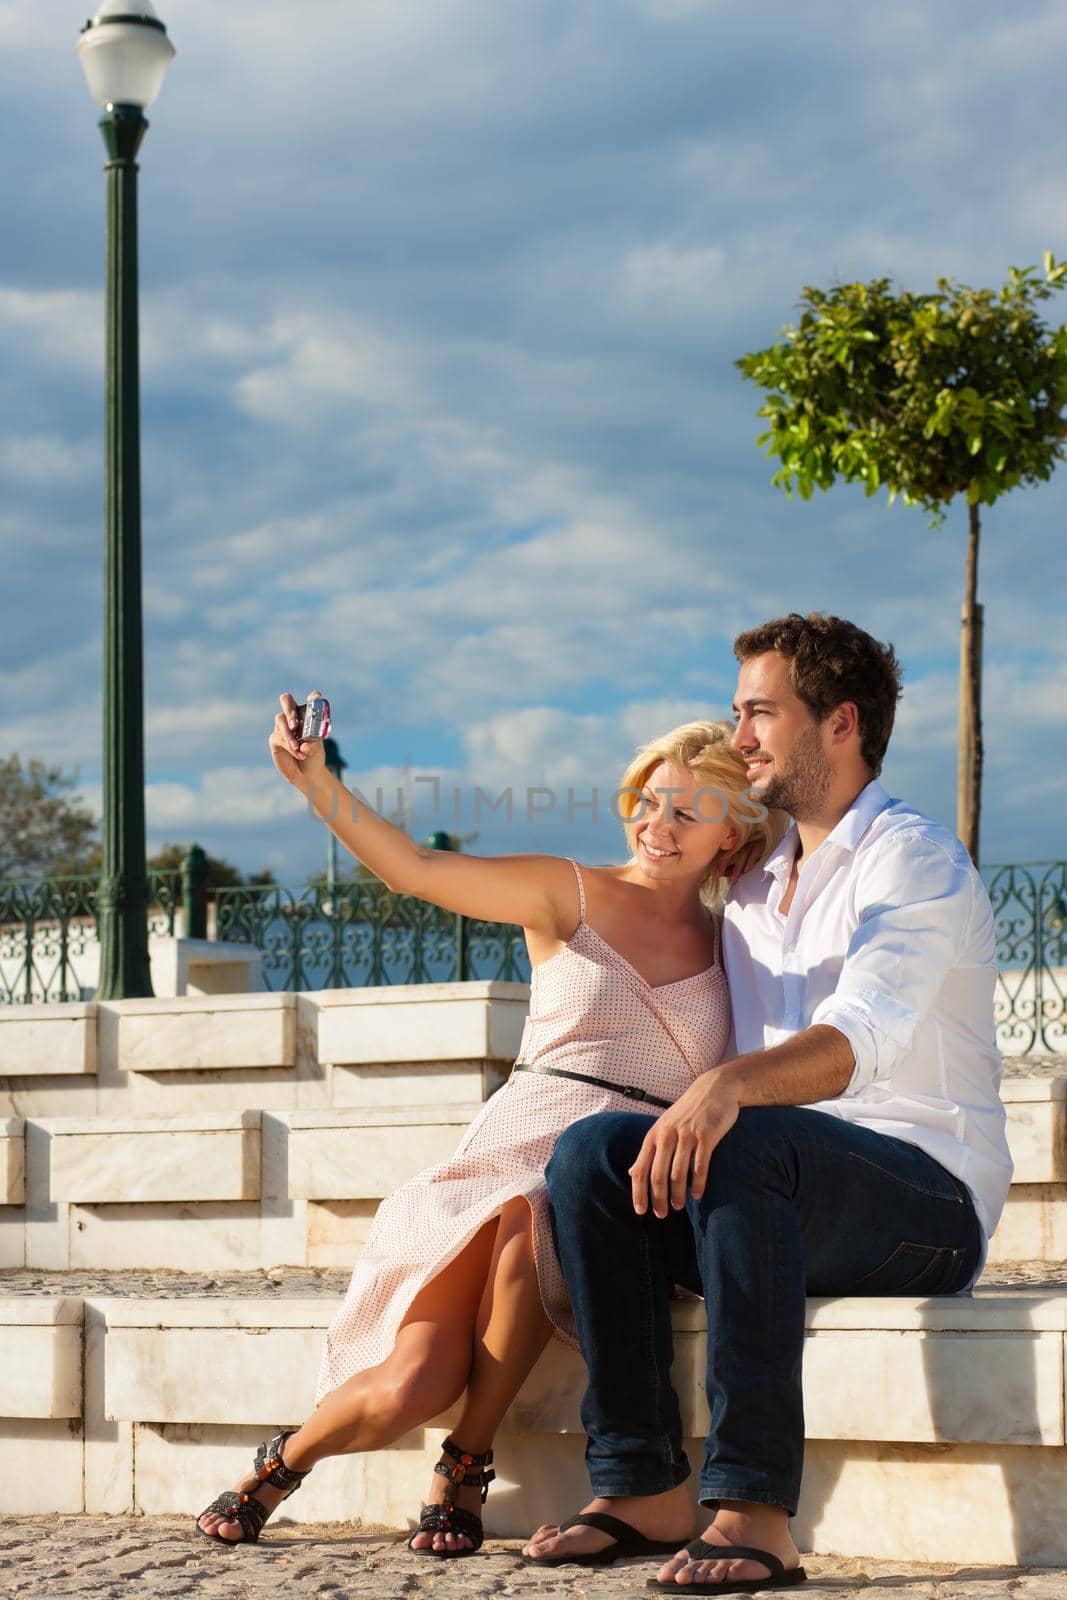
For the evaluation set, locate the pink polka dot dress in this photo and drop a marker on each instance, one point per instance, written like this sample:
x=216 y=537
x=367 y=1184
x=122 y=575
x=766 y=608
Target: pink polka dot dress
x=590 y=1013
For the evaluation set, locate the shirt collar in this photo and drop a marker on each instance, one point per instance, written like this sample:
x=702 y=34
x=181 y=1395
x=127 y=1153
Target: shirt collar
x=846 y=836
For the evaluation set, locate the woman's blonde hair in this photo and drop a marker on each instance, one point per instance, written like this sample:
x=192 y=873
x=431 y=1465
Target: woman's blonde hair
x=705 y=750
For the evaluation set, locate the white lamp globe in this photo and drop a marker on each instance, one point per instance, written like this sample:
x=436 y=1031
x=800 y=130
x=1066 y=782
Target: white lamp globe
x=124 y=52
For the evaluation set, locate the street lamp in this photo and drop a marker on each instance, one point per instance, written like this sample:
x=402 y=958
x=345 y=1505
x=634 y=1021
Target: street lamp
x=124 y=51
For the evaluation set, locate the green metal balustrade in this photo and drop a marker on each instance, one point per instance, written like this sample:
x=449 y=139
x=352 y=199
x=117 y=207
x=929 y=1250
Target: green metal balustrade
x=1030 y=910
x=362 y=934
x=50 y=934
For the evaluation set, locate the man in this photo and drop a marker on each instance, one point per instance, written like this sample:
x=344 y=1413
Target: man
x=854 y=1145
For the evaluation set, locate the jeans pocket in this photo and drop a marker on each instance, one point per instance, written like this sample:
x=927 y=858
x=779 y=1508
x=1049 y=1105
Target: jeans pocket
x=936 y=1184
x=914 y=1269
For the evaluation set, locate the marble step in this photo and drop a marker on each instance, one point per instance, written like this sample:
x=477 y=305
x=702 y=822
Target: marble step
x=1033 y=1225
x=137 y=1395
x=395 y=1043
x=230 y=1188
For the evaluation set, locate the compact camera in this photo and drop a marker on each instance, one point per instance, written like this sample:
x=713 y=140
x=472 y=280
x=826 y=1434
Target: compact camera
x=314 y=718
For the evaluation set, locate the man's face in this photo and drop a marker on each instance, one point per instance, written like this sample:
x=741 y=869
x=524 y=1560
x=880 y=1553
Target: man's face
x=786 y=760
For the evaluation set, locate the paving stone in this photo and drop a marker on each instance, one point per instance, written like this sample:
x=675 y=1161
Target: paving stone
x=288 y=1283
x=283 y=1282
x=1044 y=1066
x=110 y=1558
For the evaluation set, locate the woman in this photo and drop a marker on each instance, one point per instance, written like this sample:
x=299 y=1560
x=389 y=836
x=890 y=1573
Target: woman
x=458 y=1288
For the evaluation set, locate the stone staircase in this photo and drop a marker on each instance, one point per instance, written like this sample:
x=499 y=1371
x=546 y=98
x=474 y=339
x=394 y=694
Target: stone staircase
x=181 y=1178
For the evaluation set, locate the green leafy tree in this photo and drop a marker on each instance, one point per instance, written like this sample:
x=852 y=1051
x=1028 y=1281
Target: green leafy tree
x=218 y=874
x=45 y=829
x=956 y=393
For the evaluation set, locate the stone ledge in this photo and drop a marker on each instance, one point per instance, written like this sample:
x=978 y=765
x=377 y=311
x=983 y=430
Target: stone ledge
x=48 y=1041
x=210 y=1004
x=366 y=1154
x=979 y=1501
x=422 y=1022
x=406 y=994
x=944 y=1370
x=209 y=1033
x=1037 y=1128
x=12 y=1161
x=41 y=1358
x=48 y=1311
x=1031 y=1085
x=1032 y=1227
x=127 y=1159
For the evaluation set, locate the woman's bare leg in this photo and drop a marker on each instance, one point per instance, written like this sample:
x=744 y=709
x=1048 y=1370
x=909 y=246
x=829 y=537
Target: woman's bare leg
x=510 y=1333
x=425 y=1373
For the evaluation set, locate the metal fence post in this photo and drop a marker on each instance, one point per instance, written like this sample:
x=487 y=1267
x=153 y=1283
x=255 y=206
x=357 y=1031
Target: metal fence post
x=194 y=893
x=443 y=841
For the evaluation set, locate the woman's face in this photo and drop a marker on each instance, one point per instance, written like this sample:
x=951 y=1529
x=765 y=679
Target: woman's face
x=679 y=826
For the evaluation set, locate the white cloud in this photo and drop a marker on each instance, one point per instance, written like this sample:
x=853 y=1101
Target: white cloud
x=45 y=460
x=319 y=365
x=687 y=279
x=65 y=326
x=227 y=797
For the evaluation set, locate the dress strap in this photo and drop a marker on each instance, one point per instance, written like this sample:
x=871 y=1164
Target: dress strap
x=581 y=891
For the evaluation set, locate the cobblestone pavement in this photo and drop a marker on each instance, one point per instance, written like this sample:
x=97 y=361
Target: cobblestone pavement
x=154 y=1559
x=297 y=1282
x=281 y=1282
x=1043 y=1066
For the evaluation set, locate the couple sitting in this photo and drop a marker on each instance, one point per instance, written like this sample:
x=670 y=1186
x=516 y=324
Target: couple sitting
x=844 y=1137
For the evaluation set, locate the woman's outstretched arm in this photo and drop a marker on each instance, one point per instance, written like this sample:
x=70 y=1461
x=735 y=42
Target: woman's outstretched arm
x=538 y=892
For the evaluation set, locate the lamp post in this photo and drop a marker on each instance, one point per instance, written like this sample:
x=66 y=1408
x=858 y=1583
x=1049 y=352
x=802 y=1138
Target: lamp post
x=444 y=841
x=124 y=51
x=335 y=764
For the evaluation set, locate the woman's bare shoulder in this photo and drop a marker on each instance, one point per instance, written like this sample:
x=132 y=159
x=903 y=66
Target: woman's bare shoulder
x=606 y=874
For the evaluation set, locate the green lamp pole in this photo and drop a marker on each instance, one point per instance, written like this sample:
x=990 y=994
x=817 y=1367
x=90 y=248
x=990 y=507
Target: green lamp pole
x=335 y=764
x=124 y=51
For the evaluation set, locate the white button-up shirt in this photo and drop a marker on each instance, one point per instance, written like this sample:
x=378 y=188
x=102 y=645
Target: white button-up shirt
x=890 y=940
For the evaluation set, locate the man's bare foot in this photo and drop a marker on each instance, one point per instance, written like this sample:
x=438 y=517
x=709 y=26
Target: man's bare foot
x=468 y=1499
x=763 y=1527
x=658 y=1516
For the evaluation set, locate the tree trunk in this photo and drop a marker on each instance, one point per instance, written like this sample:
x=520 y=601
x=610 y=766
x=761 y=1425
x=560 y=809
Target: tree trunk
x=969 y=767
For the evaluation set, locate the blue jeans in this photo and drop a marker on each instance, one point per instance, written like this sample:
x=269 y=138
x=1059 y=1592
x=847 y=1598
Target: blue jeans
x=797 y=1203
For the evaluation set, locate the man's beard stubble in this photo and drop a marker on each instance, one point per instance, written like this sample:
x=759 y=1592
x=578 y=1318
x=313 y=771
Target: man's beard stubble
x=801 y=790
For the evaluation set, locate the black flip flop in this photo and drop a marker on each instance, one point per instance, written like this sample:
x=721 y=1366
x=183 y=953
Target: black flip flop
x=628 y=1542
x=779 y=1577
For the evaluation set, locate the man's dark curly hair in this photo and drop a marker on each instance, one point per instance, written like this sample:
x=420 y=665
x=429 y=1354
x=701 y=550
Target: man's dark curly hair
x=831 y=660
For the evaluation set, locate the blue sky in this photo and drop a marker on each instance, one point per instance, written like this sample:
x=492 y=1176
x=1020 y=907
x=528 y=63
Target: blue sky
x=440 y=304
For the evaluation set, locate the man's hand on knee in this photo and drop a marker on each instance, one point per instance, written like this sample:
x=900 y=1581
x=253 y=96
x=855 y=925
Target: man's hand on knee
x=678 y=1147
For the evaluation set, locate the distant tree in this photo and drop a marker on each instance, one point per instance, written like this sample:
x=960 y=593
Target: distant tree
x=219 y=874
x=45 y=829
x=960 y=392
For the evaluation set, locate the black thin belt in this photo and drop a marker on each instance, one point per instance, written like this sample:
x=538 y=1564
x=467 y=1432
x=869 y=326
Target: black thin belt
x=629 y=1090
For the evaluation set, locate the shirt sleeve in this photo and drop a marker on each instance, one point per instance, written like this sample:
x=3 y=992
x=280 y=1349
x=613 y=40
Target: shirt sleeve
x=916 y=908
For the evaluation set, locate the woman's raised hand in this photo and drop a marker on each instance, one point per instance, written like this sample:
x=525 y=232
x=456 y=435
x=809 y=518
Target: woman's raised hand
x=299 y=762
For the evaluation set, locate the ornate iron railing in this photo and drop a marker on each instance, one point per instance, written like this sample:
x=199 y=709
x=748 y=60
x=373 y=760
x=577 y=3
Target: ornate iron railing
x=49 y=936
x=1030 y=910
x=364 y=935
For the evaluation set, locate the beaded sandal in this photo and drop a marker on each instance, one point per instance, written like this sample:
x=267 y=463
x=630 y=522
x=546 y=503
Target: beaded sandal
x=467 y=1472
x=238 y=1505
